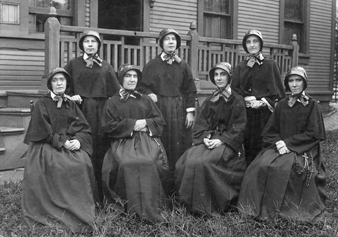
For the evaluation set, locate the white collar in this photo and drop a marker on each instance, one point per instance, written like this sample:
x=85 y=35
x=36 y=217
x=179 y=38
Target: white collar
x=52 y=95
x=227 y=88
x=86 y=56
x=164 y=54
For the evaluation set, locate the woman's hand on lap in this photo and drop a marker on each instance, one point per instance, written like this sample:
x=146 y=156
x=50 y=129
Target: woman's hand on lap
x=140 y=125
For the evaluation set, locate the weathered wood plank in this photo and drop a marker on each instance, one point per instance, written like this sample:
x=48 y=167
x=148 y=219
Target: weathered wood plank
x=24 y=63
x=25 y=68
x=19 y=78
x=21 y=52
x=22 y=57
x=23 y=73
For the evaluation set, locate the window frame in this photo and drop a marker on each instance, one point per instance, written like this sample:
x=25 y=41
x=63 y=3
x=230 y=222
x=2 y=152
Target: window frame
x=233 y=15
x=306 y=25
x=18 y=13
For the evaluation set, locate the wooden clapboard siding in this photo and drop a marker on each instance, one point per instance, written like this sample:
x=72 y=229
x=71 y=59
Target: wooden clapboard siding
x=319 y=65
x=173 y=14
x=21 y=69
x=262 y=15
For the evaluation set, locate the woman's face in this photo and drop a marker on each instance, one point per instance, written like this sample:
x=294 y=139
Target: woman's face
x=130 y=80
x=90 y=45
x=59 y=83
x=253 y=44
x=296 y=84
x=221 y=78
x=169 y=43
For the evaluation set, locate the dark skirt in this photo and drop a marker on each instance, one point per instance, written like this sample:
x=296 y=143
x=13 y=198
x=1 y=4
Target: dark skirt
x=208 y=181
x=175 y=137
x=256 y=121
x=58 y=187
x=135 y=173
x=277 y=184
x=92 y=110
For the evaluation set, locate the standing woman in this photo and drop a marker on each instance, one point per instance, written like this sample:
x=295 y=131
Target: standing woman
x=58 y=185
x=135 y=167
x=258 y=80
x=288 y=176
x=209 y=174
x=94 y=81
x=169 y=82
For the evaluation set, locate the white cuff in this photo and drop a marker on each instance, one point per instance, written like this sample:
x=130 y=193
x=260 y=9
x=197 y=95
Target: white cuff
x=191 y=109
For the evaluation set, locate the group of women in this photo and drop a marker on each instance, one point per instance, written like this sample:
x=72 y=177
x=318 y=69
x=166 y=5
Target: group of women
x=135 y=140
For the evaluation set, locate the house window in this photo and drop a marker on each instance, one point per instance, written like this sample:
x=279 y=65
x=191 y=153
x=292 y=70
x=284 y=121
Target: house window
x=39 y=9
x=295 y=22
x=10 y=13
x=215 y=18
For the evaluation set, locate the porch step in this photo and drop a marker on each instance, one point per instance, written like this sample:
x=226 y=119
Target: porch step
x=11 y=131
x=7 y=131
x=15 y=114
x=21 y=99
x=15 y=117
x=12 y=148
x=3 y=99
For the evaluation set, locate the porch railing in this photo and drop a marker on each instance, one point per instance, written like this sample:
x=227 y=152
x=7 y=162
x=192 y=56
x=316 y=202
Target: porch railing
x=120 y=46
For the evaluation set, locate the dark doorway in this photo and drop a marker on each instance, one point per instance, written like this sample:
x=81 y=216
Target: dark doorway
x=121 y=15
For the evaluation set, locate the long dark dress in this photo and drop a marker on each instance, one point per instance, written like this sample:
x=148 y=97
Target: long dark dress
x=135 y=168
x=176 y=91
x=95 y=85
x=208 y=181
x=276 y=183
x=261 y=81
x=58 y=184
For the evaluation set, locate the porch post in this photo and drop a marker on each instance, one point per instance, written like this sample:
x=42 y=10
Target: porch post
x=295 y=52
x=52 y=45
x=193 y=52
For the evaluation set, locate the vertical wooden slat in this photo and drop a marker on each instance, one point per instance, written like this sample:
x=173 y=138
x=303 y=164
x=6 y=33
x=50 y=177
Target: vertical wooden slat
x=108 y=53
x=141 y=54
x=70 y=50
x=64 y=53
x=122 y=56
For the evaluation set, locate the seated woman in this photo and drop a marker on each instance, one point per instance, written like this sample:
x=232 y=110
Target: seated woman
x=209 y=174
x=59 y=184
x=135 y=168
x=288 y=177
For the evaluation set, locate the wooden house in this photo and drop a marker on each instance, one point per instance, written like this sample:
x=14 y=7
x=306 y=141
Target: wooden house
x=35 y=37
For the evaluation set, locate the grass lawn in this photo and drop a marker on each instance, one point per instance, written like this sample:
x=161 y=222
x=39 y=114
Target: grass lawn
x=181 y=223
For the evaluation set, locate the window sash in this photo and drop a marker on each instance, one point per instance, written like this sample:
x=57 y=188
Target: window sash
x=217 y=18
x=55 y=3
x=10 y=13
x=40 y=10
x=217 y=27
x=220 y=6
x=294 y=10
